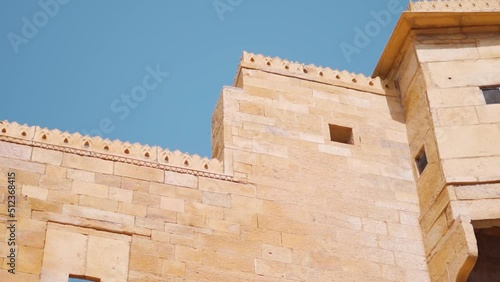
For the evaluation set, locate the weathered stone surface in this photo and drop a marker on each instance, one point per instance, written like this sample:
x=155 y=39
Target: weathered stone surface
x=447 y=52
x=34 y=192
x=92 y=213
x=172 y=204
x=468 y=141
x=15 y=151
x=184 y=180
x=173 y=268
x=216 y=199
x=87 y=163
x=138 y=172
x=47 y=156
x=107 y=259
x=65 y=253
x=224 y=187
x=477 y=192
x=121 y=195
x=285 y=202
x=81 y=175
x=90 y=189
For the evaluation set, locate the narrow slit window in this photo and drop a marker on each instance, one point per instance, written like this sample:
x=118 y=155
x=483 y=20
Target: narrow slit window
x=491 y=95
x=421 y=161
x=341 y=134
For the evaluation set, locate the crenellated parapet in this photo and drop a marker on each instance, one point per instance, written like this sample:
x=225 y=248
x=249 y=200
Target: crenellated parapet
x=314 y=73
x=115 y=150
x=455 y=5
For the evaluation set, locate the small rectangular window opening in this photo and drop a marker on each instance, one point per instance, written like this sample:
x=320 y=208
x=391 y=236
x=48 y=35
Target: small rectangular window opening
x=421 y=161
x=491 y=95
x=82 y=278
x=341 y=134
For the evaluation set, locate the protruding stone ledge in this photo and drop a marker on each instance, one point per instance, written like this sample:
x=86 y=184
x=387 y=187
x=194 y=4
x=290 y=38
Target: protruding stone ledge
x=137 y=154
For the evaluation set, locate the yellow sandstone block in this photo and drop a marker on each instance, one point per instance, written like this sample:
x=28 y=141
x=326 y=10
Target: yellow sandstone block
x=145 y=246
x=107 y=259
x=270 y=268
x=63 y=246
x=16 y=164
x=134 y=184
x=131 y=209
x=82 y=175
x=224 y=187
x=121 y=195
x=172 y=204
x=172 y=267
x=223 y=225
x=188 y=194
x=162 y=189
x=150 y=223
x=276 y=253
x=146 y=199
x=191 y=220
x=42 y=205
x=92 y=213
x=55 y=178
x=64 y=197
x=47 y=156
x=90 y=189
x=34 y=192
x=26 y=177
x=145 y=263
x=87 y=163
x=160 y=236
x=187 y=254
x=32 y=267
x=30 y=254
x=15 y=151
x=139 y=276
x=179 y=179
x=227 y=261
x=108 y=179
x=139 y=172
x=217 y=199
x=98 y=203
x=162 y=214
x=187 y=241
x=200 y=209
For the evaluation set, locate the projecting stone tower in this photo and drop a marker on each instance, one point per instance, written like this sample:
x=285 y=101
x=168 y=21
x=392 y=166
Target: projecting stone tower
x=444 y=58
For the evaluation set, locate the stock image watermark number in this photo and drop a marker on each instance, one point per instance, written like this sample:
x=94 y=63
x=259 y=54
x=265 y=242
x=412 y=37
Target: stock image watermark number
x=11 y=222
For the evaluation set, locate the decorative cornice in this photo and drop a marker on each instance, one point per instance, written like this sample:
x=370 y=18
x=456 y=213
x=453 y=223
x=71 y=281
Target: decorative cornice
x=437 y=16
x=455 y=5
x=141 y=155
x=314 y=73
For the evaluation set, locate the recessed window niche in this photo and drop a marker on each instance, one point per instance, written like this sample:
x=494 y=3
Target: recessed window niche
x=491 y=95
x=341 y=134
x=421 y=161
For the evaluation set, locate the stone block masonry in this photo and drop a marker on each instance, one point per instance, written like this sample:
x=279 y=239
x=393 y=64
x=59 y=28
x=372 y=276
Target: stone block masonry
x=314 y=175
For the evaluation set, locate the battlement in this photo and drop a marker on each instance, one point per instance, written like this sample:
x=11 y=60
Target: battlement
x=320 y=174
x=455 y=6
x=115 y=150
x=311 y=72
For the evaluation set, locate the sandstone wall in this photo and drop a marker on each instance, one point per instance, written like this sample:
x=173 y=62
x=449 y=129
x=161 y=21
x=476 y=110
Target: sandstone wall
x=289 y=205
x=440 y=78
x=346 y=212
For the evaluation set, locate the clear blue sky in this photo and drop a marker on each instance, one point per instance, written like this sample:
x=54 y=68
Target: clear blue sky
x=76 y=280
x=65 y=64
